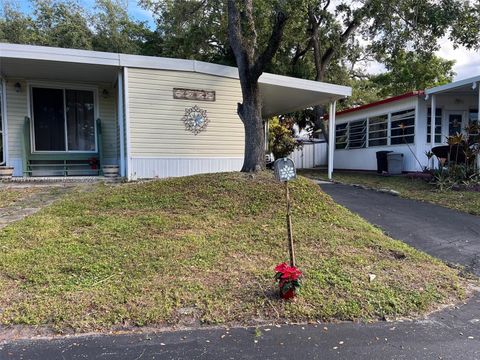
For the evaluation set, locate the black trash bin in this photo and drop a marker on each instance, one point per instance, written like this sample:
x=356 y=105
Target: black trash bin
x=382 y=161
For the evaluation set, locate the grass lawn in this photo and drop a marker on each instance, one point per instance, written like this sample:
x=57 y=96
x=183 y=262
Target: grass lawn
x=466 y=201
x=204 y=247
x=8 y=196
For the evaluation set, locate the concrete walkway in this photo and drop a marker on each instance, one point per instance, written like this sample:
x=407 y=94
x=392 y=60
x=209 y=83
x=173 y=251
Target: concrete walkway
x=36 y=197
x=450 y=334
x=444 y=233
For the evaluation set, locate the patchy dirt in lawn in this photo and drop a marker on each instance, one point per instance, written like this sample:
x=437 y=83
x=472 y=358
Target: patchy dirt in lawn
x=18 y=201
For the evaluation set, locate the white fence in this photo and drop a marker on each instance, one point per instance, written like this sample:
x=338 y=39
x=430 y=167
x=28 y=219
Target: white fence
x=312 y=154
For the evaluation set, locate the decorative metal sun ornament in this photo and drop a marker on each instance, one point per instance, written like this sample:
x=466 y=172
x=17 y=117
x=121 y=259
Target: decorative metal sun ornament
x=195 y=119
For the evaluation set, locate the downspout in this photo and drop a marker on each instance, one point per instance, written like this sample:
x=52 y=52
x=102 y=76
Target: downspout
x=121 y=120
x=266 y=127
x=3 y=100
x=129 y=172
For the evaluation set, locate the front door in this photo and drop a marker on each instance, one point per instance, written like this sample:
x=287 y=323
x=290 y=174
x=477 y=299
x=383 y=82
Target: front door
x=456 y=122
x=63 y=120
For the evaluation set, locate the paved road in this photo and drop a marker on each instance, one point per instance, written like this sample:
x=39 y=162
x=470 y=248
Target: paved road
x=451 y=334
x=444 y=233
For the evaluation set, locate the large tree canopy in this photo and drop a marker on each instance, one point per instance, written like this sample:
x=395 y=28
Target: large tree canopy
x=466 y=27
x=64 y=23
x=409 y=71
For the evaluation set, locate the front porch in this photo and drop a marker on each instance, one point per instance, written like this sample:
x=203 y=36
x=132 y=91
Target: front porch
x=456 y=108
x=42 y=164
x=59 y=119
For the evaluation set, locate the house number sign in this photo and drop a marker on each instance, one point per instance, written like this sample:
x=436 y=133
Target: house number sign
x=192 y=94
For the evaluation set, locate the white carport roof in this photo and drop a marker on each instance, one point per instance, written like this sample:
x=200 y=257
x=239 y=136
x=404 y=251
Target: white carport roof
x=465 y=85
x=280 y=94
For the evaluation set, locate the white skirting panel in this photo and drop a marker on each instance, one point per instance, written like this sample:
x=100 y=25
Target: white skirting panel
x=149 y=168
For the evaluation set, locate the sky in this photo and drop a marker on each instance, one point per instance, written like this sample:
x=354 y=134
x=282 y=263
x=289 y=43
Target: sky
x=134 y=10
x=467 y=61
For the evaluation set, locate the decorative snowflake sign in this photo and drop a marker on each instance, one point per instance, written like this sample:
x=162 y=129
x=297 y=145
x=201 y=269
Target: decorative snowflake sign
x=195 y=119
x=285 y=169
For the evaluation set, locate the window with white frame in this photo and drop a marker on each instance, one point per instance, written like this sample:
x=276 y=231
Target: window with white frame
x=63 y=119
x=357 y=134
x=473 y=119
x=473 y=116
x=378 y=130
x=438 y=126
x=402 y=128
x=341 y=136
x=2 y=141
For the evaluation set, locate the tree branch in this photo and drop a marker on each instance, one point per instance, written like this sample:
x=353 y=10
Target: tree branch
x=299 y=53
x=327 y=56
x=272 y=46
x=236 y=37
x=351 y=28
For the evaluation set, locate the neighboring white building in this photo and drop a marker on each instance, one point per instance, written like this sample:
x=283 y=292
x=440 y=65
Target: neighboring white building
x=68 y=112
x=402 y=124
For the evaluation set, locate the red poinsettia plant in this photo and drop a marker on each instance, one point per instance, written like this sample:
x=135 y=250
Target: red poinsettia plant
x=94 y=163
x=288 y=278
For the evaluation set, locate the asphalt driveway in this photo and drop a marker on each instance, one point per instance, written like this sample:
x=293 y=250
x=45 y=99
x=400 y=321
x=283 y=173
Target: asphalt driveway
x=444 y=233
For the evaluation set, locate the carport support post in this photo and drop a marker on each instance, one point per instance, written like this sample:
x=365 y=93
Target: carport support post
x=433 y=125
x=331 y=138
x=433 y=120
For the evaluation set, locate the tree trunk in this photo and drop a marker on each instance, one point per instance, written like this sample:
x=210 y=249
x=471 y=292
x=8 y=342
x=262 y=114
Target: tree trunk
x=319 y=110
x=319 y=123
x=251 y=62
x=323 y=59
x=250 y=112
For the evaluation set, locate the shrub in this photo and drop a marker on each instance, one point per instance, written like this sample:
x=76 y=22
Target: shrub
x=459 y=170
x=281 y=141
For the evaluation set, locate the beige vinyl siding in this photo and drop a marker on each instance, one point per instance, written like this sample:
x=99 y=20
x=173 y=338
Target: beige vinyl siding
x=156 y=127
x=17 y=110
x=107 y=115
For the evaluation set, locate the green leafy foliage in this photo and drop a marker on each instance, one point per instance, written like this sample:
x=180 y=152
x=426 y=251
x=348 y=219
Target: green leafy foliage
x=466 y=28
x=65 y=23
x=409 y=71
x=459 y=170
x=281 y=138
